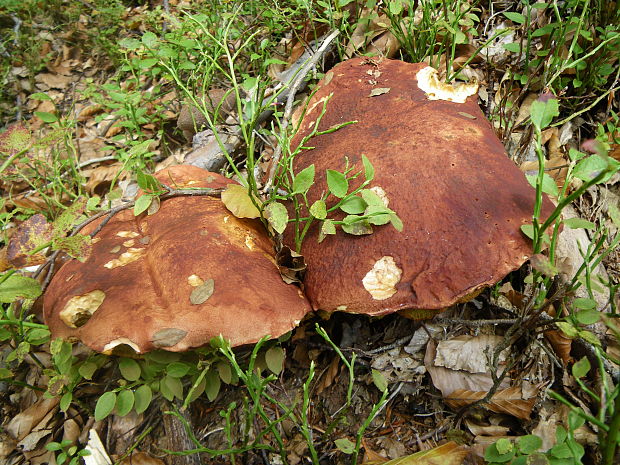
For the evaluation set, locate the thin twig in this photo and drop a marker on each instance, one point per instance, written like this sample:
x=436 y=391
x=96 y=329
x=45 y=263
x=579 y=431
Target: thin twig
x=288 y=109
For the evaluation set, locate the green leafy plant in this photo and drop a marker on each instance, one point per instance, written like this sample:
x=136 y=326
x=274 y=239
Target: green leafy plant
x=68 y=453
x=526 y=449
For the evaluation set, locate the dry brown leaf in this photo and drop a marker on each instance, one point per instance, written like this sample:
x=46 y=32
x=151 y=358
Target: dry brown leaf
x=556 y=167
x=486 y=430
x=560 y=343
x=446 y=454
x=370 y=456
x=54 y=81
x=141 y=458
x=448 y=380
x=100 y=178
x=330 y=375
x=468 y=353
x=508 y=401
x=23 y=423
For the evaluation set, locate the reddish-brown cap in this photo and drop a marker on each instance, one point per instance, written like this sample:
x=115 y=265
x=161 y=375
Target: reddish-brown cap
x=443 y=171
x=175 y=279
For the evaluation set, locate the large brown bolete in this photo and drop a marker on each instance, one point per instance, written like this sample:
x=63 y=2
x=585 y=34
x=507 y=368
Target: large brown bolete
x=175 y=279
x=441 y=168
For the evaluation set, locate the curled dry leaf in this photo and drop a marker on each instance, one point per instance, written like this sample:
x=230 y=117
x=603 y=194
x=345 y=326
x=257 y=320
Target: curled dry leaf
x=508 y=401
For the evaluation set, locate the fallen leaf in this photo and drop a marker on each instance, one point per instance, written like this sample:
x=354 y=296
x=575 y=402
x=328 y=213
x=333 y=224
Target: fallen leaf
x=201 y=293
x=235 y=197
x=30 y=235
x=446 y=454
x=379 y=91
x=448 y=380
x=508 y=401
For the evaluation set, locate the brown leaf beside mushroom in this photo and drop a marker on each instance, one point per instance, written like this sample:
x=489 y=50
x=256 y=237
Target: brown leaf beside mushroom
x=175 y=279
x=443 y=171
x=192 y=120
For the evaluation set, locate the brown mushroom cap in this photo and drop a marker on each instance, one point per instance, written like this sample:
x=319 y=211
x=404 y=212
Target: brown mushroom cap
x=444 y=172
x=175 y=279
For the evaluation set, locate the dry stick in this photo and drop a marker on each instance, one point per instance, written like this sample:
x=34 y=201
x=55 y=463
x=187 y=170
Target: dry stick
x=288 y=110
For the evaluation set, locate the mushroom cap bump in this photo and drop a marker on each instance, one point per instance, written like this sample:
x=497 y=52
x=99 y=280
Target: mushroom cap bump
x=175 y=279
x=443 y=171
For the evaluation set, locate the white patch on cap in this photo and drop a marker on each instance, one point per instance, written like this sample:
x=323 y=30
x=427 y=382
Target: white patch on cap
x=80 y=308
x=428 y=81
x=380 y=282
x=120 y=341
x=131 y=255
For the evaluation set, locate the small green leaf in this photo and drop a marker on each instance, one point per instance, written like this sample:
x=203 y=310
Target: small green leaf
x=590 y=337
x=130 y=369
x=303 y=180
x=39 y=96
x=345 y=445
x=590 y=167
x=46 y=117
x=588 y=317
x=548 y=184
x=225 y=372
x=142 y=204
x=17 y=286
x=124 y=402
x=149 y=39
x=517 y=18
x=513 y=47
x=576 y=223
x=327 y=228
x=584 y=304
x=503 y=446
x=143 y=397
x=337 y=183
x=354 y=205
x=173 y=387
x=568 y=329
x=542 y=113
x=319 y=210
x=396 y=222
x=379 y=380
x=212 y=385
x=177 y=369
x=369 y=170
x=372 y=198
x=105 y=405
x=65 y=401
x=356 y=227
x=581 y=367
x=277 y=216
x=274 y=358
x=378 y=215
x=528 y=230
x=529 y=444
x=87 y=370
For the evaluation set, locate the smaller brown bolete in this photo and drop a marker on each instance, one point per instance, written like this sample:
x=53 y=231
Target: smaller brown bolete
x=175 y=279
x=438 y=165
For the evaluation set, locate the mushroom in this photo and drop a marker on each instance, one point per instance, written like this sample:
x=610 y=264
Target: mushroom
x=440 y=167
x=175 y=279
